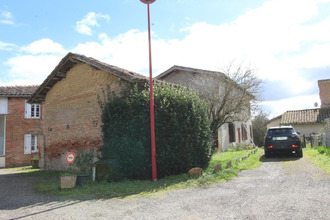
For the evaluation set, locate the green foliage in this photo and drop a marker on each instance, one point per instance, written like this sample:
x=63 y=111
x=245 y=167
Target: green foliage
x=319 y=156
x=146 y=187
x=181 y=127
x=239 y=147
x=323 y=150
x=84 y=160
x=259 y=125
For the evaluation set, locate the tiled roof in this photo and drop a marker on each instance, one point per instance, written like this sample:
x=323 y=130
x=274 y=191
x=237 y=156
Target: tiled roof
x=188 y=69
x=306 y=116
x=17 y=91
x=68 y=62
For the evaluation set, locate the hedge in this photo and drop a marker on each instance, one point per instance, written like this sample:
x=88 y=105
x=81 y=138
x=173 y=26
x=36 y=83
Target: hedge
x=183 y=136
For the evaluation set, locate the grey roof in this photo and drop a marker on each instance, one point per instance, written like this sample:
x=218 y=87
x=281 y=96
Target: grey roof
x=68 y=62
x=306 y=116
x=188 y=69
x=214 y=74
x=17 y=91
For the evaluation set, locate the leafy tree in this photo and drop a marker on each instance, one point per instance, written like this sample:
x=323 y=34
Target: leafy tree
x=259 y=124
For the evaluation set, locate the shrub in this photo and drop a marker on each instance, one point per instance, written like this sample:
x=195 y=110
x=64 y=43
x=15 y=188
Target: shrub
x=181 y=125
x=323 y=150
x=84 y=160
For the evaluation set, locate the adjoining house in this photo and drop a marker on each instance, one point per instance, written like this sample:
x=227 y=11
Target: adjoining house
x=208 y=82
x=308 y=121
x=19 y=126
x=71 y=113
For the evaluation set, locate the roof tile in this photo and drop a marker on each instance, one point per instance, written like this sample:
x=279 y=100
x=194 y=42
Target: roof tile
x=306 y=116
x=17 y=91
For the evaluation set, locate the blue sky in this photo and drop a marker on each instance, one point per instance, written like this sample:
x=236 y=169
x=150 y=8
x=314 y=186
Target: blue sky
x=286 y=42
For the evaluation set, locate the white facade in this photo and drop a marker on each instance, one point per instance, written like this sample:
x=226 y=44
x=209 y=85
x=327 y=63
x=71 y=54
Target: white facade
x=239 y=135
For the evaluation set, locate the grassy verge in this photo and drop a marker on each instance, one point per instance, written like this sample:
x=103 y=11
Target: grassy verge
x=319 y=156
x=129 y=187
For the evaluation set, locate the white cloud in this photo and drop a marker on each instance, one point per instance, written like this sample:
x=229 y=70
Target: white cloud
x=7 y=46
x=33 y=63
x=128 y=50
x=6 y=17
x=273 y=39
x=277 y=39
x=44 y=46
x=296 y=103
x=31 y=69
x=90 y=20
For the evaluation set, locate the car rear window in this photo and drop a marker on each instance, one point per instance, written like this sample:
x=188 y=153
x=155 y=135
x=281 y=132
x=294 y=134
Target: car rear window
x=280 y=131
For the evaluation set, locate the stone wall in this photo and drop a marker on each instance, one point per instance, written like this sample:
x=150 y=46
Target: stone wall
x=274 y=123
x=16 y=127
x=308 y=129
x=327 y=131
x=72 y=114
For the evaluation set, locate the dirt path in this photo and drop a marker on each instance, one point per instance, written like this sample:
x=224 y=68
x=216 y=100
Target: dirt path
x=281 y=188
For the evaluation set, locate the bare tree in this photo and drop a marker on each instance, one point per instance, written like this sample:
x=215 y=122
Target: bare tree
x=231 y=95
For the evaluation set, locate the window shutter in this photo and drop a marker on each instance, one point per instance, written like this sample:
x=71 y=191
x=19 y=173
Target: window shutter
x=27 y=110
x=36 y=143
x=3 y=105
x=27 y=144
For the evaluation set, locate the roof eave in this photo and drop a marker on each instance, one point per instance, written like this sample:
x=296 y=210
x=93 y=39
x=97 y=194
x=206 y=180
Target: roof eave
x=69 y=61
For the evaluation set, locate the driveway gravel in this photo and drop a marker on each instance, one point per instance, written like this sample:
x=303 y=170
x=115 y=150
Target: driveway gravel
x=281 y=188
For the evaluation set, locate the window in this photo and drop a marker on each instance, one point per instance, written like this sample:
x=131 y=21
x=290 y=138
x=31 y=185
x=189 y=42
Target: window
x=32 y=110
x=3 y=105
x=231 y=128
x=251 y=134
x=244 y=133
x=30 y=143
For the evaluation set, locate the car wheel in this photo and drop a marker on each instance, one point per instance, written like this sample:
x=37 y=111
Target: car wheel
x=300 y=153
x=267 y=154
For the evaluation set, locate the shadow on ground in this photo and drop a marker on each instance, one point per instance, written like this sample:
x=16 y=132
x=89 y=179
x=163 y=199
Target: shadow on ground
x=279 y=157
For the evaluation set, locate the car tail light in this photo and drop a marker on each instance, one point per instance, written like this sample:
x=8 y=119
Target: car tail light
x=271 y=146
x=293 y=145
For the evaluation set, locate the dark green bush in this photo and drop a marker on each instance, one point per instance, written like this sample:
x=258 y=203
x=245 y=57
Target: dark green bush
x=182 y=130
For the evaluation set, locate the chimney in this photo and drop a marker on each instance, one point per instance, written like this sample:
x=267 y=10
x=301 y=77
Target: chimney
x=324 y=87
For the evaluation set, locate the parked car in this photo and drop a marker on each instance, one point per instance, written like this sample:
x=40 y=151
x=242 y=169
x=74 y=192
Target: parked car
x=282 y=139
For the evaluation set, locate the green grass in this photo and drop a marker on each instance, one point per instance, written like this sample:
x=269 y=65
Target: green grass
x=149 y=188
x=319 y=156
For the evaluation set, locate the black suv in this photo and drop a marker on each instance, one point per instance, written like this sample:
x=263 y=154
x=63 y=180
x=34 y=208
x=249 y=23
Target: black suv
x=282 y=139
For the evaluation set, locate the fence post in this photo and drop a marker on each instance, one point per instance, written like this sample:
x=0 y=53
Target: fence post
x=304 y=141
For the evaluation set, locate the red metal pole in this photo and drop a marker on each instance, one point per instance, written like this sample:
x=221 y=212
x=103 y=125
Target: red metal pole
x=152 y=115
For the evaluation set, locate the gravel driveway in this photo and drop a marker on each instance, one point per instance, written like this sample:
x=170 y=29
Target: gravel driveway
x=281 y=188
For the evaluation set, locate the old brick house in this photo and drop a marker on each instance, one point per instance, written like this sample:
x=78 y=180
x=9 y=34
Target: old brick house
x=71 y=113
x=207 y=83
x=19 y=126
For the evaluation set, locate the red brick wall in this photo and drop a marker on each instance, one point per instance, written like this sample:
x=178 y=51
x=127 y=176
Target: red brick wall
x=16 y=127
x=71 y=114
x=324 y=86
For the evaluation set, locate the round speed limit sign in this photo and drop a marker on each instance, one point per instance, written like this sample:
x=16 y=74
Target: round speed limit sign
x=70 y=157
